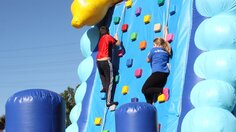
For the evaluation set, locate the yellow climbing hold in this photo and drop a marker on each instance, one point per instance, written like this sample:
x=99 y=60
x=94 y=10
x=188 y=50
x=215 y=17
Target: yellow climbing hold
x=125 y=89
x=147 y=19
x=128 y=3
x=98 y=121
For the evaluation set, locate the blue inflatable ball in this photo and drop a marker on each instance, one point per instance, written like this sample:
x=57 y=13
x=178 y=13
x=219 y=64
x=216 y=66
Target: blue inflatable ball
x=215 y=34
x=215 y=93
x=85 y=69
x=217 y=64
x=209 y=8
x=73 y=128
x=88 y=41
x=80 y=93
x=136 y=117
x=209 y=119
x=75 y=113
x=35 y=110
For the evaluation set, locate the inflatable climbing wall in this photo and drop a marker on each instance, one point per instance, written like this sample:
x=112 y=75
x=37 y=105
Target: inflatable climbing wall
x=137 y=23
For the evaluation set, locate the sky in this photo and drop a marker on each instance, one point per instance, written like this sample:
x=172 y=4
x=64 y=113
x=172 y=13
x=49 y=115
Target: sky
x=38 y=47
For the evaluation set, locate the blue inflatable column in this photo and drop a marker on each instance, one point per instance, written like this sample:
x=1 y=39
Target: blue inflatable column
x=136 y=117
x=35 y=110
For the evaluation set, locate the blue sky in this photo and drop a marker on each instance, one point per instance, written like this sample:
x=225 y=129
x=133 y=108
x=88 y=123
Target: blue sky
x=38 y=47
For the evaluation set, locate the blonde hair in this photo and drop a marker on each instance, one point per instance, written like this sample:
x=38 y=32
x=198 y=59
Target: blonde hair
x=163 y=43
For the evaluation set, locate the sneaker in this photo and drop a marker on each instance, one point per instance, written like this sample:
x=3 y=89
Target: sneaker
x=155 y=98
x=103 y=90
x=161 y=98
x=112 y=103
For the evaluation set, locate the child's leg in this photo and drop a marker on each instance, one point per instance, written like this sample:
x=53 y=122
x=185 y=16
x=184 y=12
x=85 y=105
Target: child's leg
x=100 y=65
x=147 y=84
x=160 y=83
x=149 y=98
x=147 y=89
x=108 y=70
x=152 y=94
x=156 y=90
x=154 y=84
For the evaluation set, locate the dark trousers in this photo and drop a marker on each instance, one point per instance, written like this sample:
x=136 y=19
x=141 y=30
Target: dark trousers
x=105 y=70
x=154 y=85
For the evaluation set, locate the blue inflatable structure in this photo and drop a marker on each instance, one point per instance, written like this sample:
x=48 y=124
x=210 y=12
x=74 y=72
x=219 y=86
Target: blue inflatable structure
x=202 y=76
x=201 y=83
x=35 y=110
x=143 y=114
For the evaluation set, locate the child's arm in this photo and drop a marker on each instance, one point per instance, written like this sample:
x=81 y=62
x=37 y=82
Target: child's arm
x=117 y=40
x=148 y=58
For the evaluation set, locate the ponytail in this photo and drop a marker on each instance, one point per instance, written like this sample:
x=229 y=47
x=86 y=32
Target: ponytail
x=167 y=48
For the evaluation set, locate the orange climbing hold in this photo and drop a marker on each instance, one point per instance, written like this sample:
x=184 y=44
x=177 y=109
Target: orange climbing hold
x=143 y=45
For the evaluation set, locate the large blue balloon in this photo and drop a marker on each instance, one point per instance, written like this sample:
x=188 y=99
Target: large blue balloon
x=75 y=113
x=217 y=33
x=210 y=8
x=215 y=93
x=35 y=110
x=209 y=119
x=72 y=128
x=136 y=117
x=85 y=69
x=217 y=64
x=80 y=93
x=79 y=96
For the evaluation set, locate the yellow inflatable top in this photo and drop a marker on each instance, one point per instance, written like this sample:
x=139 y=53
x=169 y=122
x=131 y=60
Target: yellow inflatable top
x=89 y=12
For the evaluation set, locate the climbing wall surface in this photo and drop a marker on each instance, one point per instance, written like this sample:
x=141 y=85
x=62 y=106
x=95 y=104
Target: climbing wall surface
x=140 y=28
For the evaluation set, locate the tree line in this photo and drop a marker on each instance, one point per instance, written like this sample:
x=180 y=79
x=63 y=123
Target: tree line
x=68 y=96
x=2 y=122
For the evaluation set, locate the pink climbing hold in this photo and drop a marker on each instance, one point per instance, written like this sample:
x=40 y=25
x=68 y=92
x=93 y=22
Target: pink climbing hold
x=170 y=37
x=166 y=93
x=138 y=11
x=138 y=73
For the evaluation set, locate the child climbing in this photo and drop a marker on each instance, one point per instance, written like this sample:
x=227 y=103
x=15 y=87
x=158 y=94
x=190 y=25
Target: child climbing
x=104 y=62
x=159 y=58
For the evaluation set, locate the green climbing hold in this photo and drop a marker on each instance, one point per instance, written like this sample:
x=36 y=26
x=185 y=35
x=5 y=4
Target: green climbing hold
x=161 y=2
